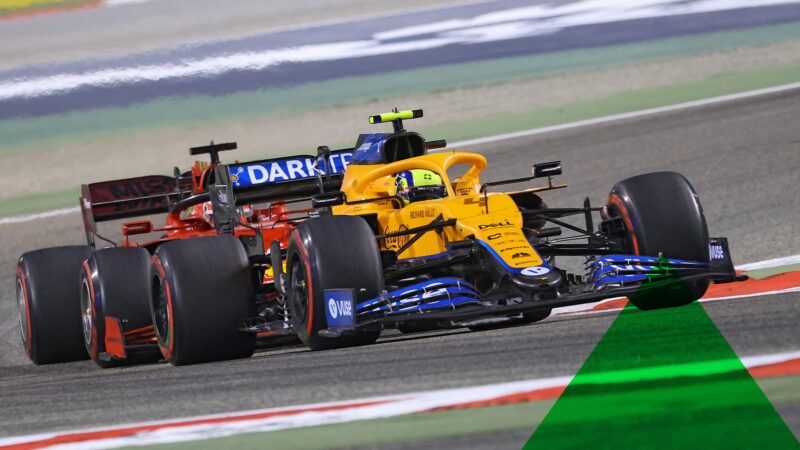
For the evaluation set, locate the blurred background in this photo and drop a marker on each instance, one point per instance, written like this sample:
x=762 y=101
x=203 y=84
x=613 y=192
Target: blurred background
x=93 y=89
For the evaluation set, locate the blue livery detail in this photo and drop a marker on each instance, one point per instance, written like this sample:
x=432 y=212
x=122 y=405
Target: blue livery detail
x=620 y=270
x=340 y=308
x=534 y=271
x=439 y=293
x=282 y=170
x=370 y=149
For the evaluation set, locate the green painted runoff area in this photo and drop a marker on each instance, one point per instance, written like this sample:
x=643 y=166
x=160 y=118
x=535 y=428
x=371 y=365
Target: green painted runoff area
x=764 y=273
x=43 y=201
x=14 y=8
x=663 y=379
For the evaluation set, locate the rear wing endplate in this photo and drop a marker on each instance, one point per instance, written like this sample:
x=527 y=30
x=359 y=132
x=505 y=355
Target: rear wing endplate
x=129 y=197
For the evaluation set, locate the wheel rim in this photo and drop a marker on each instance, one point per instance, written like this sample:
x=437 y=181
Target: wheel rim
x=299 y=290
x=161 y=310
x=86 y=312
x=23 y=311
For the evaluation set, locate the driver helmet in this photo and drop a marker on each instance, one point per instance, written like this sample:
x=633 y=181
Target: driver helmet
x=419 y=184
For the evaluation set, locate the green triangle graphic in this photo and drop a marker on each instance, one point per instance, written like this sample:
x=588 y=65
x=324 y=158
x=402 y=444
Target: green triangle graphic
x=663 y=379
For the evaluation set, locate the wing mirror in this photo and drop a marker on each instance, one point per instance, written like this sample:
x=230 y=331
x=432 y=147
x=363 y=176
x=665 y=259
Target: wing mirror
x=328 y=199
x=141 y=227
x=547 y=169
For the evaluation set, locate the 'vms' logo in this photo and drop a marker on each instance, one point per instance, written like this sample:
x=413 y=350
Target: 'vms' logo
x=340 y=308
x=715 y=252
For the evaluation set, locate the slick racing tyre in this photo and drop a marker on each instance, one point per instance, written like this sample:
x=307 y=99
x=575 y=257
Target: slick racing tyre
x=115 y=307
x=49 y=303
x=202 y=290
x=330 y=252
x=662 y=214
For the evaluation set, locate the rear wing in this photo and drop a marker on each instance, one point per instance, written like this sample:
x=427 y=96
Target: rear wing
x=288 y=178
x=251 y=182
x=130 y=197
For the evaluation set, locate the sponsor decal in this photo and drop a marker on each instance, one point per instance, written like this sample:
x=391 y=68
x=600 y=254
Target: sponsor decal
x=521 y=255
x=222 y=196
x=715 y=252
x=396 y=241
x=518 y=247
x=492 y=237
x=534 y=271
x=277 y=171
x=510 y=242
x=503 y=224
x=464 y=191
x=139 y=194
x=339 y=307
x=472 y=200
x=423 y=213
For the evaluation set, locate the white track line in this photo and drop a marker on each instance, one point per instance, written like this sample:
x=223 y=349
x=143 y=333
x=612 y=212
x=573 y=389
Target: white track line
x=628 y=115
x=587 y=309
x=770 y=263
x=37 y=216
x=188 y=429
x=524 y=133
x=496 y=26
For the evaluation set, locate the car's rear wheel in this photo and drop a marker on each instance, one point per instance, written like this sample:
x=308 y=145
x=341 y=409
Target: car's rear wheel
x=202 y=290
x=115 y=308
x=661 y=213
x=49 y=303
x=331 y=252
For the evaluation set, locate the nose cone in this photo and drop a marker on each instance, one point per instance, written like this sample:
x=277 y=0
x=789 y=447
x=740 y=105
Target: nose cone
x=537 y=278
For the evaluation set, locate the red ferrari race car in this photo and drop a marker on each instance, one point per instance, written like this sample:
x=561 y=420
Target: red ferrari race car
x=179 y=295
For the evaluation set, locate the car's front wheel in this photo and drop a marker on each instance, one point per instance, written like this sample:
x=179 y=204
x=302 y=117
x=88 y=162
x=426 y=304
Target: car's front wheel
x=330 y=252
x=662 y=215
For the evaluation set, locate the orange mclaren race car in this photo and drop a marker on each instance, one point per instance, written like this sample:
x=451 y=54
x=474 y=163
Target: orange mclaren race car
x=196 y=291
x=416 y=240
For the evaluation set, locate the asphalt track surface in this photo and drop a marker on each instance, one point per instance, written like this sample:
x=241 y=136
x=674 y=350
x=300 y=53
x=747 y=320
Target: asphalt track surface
x=743 y=158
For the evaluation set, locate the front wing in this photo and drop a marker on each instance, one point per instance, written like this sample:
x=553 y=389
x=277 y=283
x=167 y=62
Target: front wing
x=453 y=302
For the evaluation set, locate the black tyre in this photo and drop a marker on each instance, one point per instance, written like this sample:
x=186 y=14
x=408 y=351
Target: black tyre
x=536 y=316
x=662 y=214
x=115 y=307
x=49 y=303
x=202 y=290
x=331 y=252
